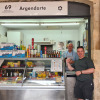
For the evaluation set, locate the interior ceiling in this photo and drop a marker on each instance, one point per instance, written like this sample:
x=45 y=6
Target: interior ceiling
x=42 y=21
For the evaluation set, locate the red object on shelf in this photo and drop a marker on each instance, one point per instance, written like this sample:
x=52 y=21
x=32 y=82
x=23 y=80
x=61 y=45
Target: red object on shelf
x=45 y=48
x=32 y=43
x=0 y=75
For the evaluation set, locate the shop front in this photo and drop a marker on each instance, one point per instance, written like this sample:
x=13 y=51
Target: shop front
x=33 y=39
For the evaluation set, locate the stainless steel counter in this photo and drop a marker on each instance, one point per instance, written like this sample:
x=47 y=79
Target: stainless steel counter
x=70 y=73
x=70 y=82
x=32 y=93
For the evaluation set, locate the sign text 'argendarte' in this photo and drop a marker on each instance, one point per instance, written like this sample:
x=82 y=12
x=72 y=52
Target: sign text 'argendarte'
x=48 y=8
x=32 y=8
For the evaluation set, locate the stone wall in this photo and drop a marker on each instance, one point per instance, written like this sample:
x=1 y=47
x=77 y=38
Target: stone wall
x=97 y=75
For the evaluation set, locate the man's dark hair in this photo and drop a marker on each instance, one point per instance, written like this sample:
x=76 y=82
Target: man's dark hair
x=80 y=47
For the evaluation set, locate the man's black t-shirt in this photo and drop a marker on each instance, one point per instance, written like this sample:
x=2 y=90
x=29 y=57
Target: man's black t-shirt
x=83 y=64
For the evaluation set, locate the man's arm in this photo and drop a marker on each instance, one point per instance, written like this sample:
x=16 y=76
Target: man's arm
x=75 y=58
x=69 y=65
x=87 y=71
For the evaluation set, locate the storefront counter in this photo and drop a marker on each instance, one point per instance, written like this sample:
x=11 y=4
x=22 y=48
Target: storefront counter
x=32 y=78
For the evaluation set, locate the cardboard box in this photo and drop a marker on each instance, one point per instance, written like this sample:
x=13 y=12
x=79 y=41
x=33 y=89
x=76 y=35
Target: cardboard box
x=6 y=46
x=18 y=54
x=5 y=53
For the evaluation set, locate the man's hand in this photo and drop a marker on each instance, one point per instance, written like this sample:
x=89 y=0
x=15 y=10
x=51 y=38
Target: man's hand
x=71 y=61
x=69 y=65
x=68 y=60
x=78 y=73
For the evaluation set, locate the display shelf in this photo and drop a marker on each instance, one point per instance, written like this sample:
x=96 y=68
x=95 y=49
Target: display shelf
x=12 y=58
x=43 y=58
x=29 y=58
x=14 y=68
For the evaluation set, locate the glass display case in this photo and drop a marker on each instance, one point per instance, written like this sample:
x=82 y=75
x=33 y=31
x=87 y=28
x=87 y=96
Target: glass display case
x=44 y=72
x=32 y=72
x=12 y=72
x=44 y=76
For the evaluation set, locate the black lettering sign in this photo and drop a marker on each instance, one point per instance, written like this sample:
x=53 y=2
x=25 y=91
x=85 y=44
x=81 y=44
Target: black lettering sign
x=8 y=7
x=32 y=8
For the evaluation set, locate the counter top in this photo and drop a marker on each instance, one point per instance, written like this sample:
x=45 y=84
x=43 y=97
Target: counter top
x=70 y=72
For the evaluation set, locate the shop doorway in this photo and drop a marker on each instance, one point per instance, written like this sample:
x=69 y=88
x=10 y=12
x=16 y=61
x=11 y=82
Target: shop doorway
x=50 y=30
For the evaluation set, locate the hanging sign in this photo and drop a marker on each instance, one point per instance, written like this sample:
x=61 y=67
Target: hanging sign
x=53 y=8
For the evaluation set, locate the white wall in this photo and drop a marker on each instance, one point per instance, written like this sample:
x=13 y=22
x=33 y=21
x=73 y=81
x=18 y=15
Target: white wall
x=14 y=37
x=81 y=32
x=3 y=30
x=56 y=35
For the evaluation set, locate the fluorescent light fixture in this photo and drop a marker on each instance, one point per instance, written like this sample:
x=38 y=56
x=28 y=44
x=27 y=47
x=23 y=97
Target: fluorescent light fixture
x=59 y=24
x=20 y=24
x=45 y=24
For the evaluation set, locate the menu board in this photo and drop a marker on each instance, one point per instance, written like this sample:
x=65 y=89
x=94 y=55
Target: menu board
x=56 y=65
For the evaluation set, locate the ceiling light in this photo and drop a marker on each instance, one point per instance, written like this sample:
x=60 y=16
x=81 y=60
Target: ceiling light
x=59 y=24
x=20 y=24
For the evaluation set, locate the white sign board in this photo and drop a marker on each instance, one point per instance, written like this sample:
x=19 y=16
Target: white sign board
x=53 y=8
x=56 y=65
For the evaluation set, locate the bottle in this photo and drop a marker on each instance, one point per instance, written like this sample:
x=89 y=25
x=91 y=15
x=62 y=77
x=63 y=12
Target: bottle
x=17 y=73
x=27 y=52
x=60 y=54
x=41 y=56
x=47 y=54
x=45 y=51
x=21 y=46
x=7 y=74
x=35 y=51
x=32 y=43
x=52 y=54
x=57 y=53
x=11 y=74
x=31 y=53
